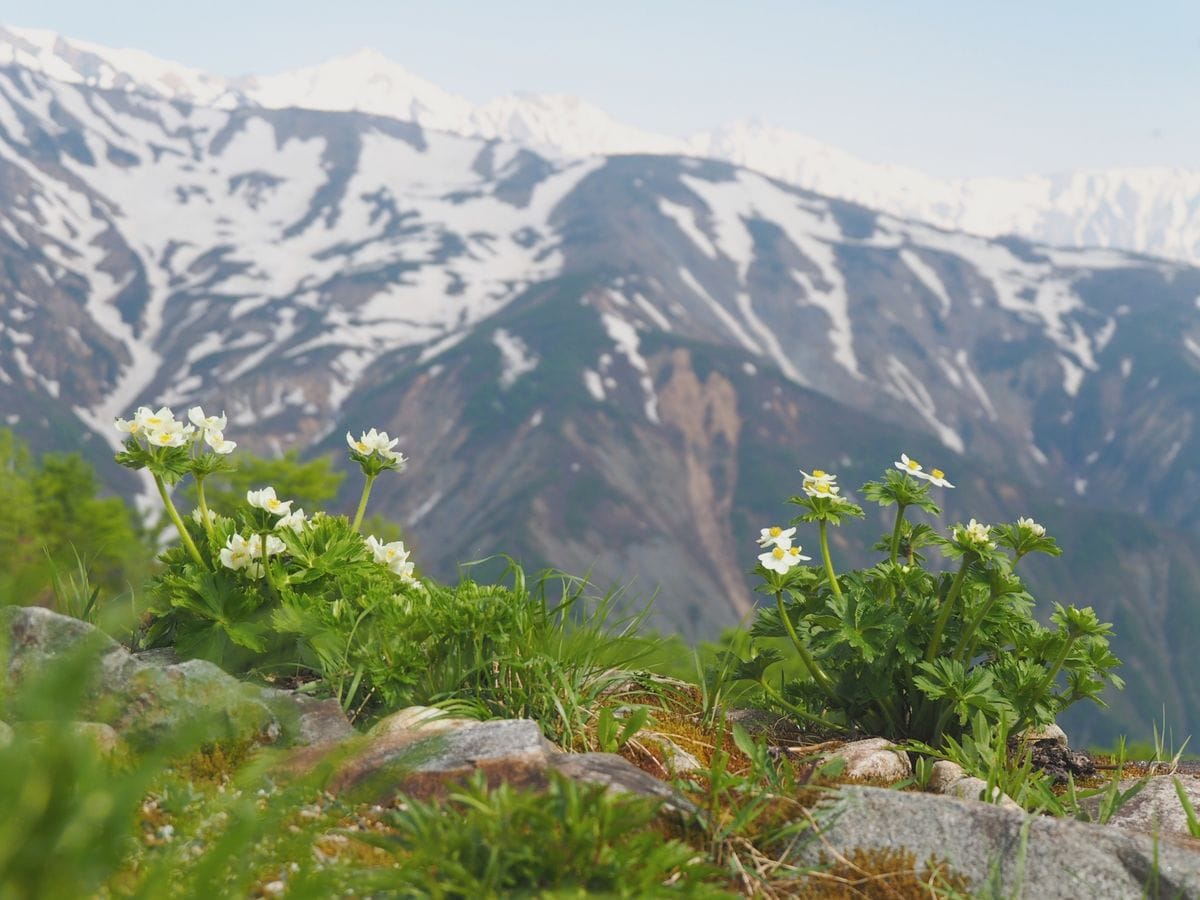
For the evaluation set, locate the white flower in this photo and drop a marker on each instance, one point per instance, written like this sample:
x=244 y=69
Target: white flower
x=393 y=555
x=376 y=442
x=237 y=553
x=150 y=420
x=780 y=559
x=904 y=464
x=935 y=476
x=128 y=426
x=216 y=440
x=824 y=489
x=274 y=546
x=1034 y=527
x=266 y=499
x=295 y=520
x=208 y=423
x=817 y=476
x=174 y=436
x=780 y=537
x=975 y=533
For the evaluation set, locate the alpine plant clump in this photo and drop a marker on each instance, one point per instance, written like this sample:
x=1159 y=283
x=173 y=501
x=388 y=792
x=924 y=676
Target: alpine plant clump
x=908 y=653
x=265 y=585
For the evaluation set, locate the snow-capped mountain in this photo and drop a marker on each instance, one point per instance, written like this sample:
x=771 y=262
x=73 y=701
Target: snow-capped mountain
x=1150 y=210
x=608 y=363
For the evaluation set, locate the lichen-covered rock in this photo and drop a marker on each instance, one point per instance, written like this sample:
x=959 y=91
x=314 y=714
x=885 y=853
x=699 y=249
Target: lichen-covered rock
x=144 y=699
x=1002 y=852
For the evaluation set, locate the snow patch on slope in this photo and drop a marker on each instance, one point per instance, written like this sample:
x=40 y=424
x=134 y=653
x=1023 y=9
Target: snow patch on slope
x=515 y=358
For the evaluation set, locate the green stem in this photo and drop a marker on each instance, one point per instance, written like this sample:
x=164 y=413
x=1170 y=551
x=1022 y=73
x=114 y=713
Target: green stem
x=935 y=642
x=896 y=531
x=267 y=564
x=174 y=514
x=793 y=708
x=820 y=676
x=362 y=503
x=204 y=519
x=833 y=582
x=941 y=725
x=965 y=640
x=1058 y=664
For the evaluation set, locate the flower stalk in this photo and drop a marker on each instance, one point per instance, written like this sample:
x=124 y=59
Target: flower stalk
x=828 y=560
x=819 y=675
x=179 y=526
x=896 y=531
x=935 y=642
x=795 y=710
x=362 y=503
x=205 y=518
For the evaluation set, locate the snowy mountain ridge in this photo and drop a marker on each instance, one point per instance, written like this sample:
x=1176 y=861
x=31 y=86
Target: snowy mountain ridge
x=610 y=364
x=1147 y=210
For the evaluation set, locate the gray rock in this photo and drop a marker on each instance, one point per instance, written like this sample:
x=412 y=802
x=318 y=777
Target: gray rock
x=873 y=758
x=418 y=763
x=675 y=760
x=952 y=780
x=1041 y=733
x=423 y=765
x=428 y=719
x=1002 y=852
x=618 y=774
x=1156 y=807
x=311 y=722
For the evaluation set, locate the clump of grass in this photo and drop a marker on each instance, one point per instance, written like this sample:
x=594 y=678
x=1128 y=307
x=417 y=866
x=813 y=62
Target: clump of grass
x=572 y=840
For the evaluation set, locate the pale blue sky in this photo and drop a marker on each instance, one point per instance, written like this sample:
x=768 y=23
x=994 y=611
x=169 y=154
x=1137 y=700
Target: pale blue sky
x=954 y=88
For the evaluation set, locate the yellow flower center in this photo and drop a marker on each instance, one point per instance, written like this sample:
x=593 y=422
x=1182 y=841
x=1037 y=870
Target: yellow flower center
x=821 y=488
x=938 y=473
x=133 y=427
x=818 y=473
x=362 y=448
x=913 y=464
x=776 y=531
x=795 y=551
x=777 y=553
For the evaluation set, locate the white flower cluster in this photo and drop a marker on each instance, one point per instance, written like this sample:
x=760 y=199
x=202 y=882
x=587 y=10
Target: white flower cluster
x=974 y=533
x=160 y=428
x=781 y=555
x=246 y=552
x=914 y=468
x=394 y=556
x=1032 y=526
x=380 y=444
x=820 y=483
